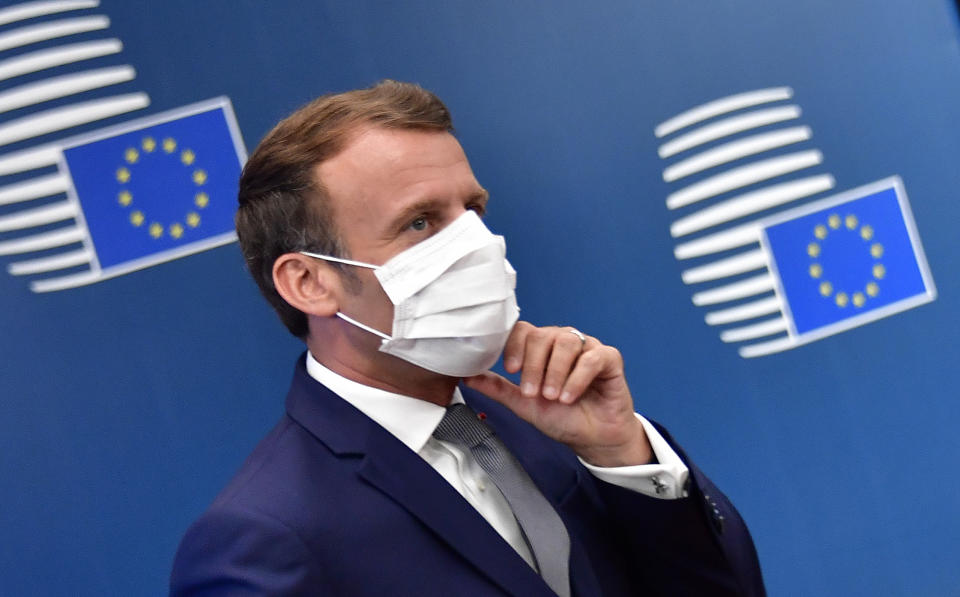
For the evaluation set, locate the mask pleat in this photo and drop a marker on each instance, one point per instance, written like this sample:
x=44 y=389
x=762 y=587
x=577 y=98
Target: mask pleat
x=473 y=353
x=474 y=320
x=473 y=286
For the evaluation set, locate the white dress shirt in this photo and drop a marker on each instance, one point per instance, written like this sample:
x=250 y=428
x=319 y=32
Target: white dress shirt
x=412 y=421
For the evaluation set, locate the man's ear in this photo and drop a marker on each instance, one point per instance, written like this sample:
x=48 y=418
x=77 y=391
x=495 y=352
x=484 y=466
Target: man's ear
x=308 y=284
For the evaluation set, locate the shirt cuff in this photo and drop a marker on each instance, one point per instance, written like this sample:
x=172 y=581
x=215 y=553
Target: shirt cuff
x=666 y=480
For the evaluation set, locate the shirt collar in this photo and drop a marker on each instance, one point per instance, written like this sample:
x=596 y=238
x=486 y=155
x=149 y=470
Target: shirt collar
x=411 y=420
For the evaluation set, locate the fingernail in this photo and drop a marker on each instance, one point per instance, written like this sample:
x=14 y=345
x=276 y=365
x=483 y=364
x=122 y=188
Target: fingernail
x=550 y=392
x=528 y=389
x=566 y=397
x=512 y=364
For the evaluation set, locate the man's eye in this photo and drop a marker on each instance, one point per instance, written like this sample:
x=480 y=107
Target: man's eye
x=419 y=224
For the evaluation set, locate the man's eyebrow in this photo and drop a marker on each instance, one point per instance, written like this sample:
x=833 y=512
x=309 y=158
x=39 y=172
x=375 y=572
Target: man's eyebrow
x=479 y=198
x=482 y=195
x=427 y=206
x=413 y=210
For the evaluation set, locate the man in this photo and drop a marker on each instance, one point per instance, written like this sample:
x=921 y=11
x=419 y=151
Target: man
x=358 y=220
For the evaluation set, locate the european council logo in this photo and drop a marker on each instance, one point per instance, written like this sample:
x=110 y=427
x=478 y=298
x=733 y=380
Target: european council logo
x=141 y=193
x=775 y=264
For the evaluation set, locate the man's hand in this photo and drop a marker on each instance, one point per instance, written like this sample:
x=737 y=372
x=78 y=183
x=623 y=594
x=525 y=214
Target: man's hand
x=571 y=390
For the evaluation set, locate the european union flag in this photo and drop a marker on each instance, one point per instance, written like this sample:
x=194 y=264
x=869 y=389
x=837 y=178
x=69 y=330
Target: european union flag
x=158 y=188
x=848 y=260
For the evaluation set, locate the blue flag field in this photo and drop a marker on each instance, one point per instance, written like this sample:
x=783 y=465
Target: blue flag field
x=158 y=189
x=141 y=193
x=847 y=260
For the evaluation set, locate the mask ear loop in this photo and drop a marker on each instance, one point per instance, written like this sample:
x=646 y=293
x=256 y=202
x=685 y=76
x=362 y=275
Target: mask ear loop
x=363 y=326
x=339 y=314
x=339 y=260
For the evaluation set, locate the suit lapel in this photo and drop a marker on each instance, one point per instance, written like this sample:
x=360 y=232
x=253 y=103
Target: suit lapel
x=399 y=473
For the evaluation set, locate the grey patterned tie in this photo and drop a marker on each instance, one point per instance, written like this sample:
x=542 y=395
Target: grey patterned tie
x=541 y=525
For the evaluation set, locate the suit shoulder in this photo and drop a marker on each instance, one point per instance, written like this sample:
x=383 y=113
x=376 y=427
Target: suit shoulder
x=284 y=471
x=231 y=551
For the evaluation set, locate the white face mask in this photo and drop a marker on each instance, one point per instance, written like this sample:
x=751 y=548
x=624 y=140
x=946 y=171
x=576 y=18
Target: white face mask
x=453 y=299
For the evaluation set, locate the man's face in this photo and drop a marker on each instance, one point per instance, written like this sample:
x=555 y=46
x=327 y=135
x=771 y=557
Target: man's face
x=390 y=189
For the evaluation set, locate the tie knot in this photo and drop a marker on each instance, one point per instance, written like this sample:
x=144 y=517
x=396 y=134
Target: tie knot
x=461 y=426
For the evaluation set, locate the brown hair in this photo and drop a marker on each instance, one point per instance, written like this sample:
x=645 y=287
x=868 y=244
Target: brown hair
x=284 y=208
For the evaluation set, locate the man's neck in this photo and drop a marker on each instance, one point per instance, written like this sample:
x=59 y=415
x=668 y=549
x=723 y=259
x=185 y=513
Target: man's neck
x=386 y=372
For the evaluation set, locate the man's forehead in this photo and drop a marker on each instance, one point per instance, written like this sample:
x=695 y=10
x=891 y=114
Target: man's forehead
x=384 y=177
x=394 y=143
x=378 y=156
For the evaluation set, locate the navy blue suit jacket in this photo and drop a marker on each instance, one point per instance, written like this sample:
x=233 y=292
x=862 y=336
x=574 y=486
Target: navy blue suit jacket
x=329 y=503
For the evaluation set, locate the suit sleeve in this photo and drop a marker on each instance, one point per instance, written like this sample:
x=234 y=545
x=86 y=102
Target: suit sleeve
x=241 y=553
x=698 y=545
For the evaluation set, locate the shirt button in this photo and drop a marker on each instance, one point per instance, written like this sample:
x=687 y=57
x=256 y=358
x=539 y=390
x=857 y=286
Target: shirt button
x=482 y=486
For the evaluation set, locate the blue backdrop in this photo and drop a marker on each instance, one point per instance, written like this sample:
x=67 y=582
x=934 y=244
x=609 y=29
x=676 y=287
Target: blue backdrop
x=126 y=404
